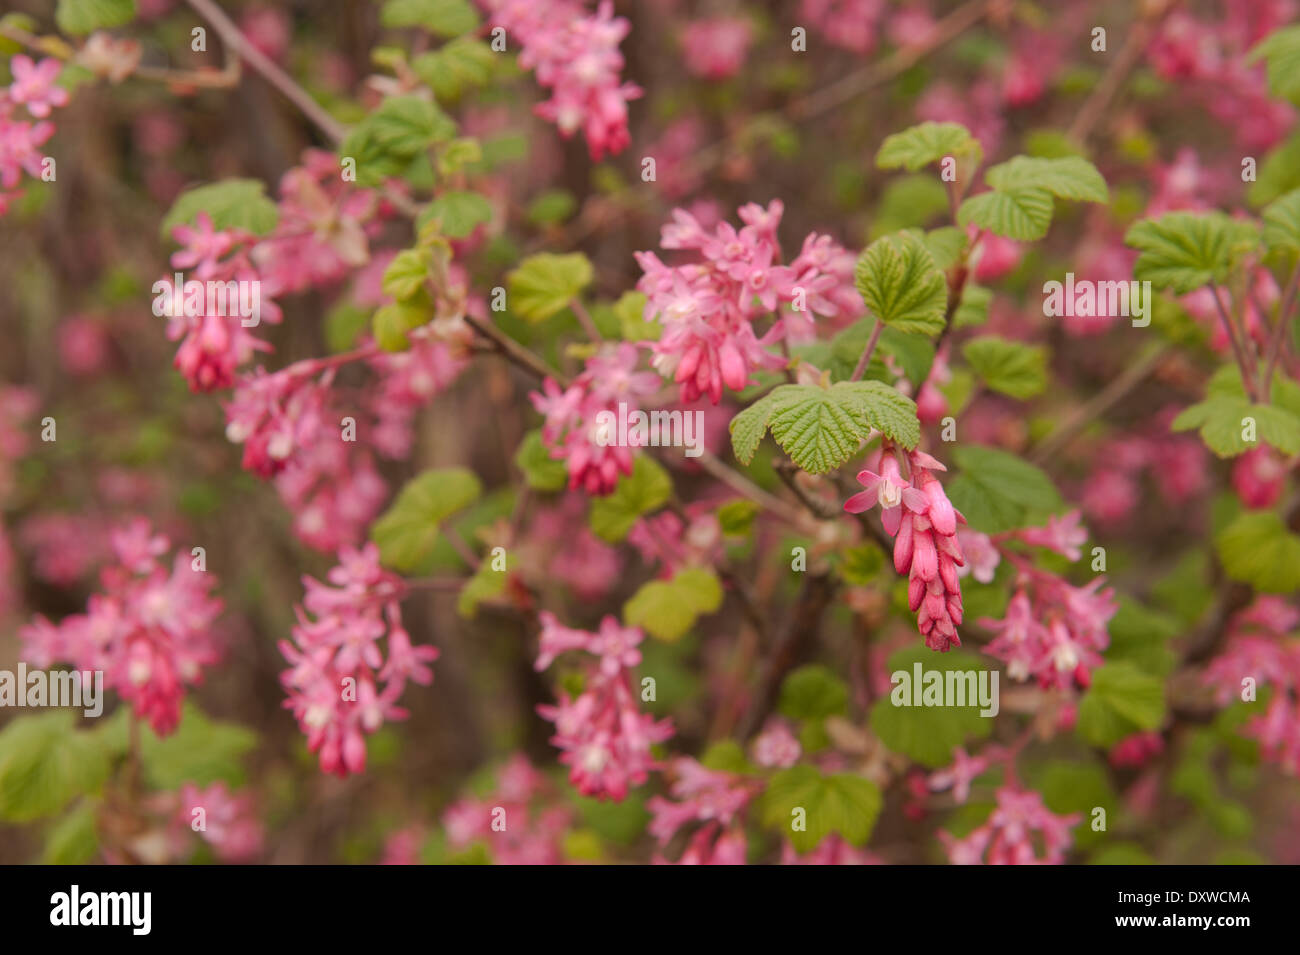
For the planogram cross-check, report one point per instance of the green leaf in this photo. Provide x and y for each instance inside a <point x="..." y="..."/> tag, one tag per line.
<point x="441" y="17"/>
<point x="544" y="284"/>
<point x="998" y="491"/>
<point x="1282" y="224"/>
<point x="462" y="64"/>
<point x="736" y="517"/>
<point x="231" y="204"/>
<point x="1070" y="787"/>
<point x="406" y="274"/>
<point x="1221" y="420"/>
<point x="541" y="471"/>
<point x="630" y="310"/>
<point x="1068" y="177"/>
<point x="821" y="428"/>
<point x="646" y="489"/>
<point x="1012" y="368"/>
<point x="45" y="763"/>
<point x="726" y="756"/>
<point x="1182" y="251"/>
<point x="391" y="323"/>
<point x="1141" y="636"/>
<point x="1281" y="50"/>
<point x="813" y="692"/>
<point x="897" y="278"/>
<point x="484" y="585"/>
<point x="74" y="840"/>
<point x="1258" y="549"/>
<point x="919" y="146"/>
<point x="408" y="530"/>
<point x="552" y="207"/>
<point x="946" y="244"/>
<point x="974" y="307"/>
<point x="928" y="734"/>
<point x="667" y="609"/>
<point x="1121" y="701"/>
<point x="394" y="139"/>
<point x="459" y="213"/>
<point x="1024" y="214"/>
<point x="80" y="17"/>
<point x="843" y="803"/>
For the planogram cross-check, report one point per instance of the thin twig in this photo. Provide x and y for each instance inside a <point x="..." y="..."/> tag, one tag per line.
<point x="865" y="360"/>
<point x="515" y="352"/>
<point x="1275" y="344"/>
<point x="234" y="39"/>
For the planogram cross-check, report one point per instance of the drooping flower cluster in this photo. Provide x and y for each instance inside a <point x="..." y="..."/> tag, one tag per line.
<point x="35" y="90"/>
<point x="575" y="55"/>
<point x="604" y="736"/>
<point x="1262" y="649"/>
<point x="520" y="822"/>
<point x="708" y="307"/>
<point x="590" y="448"/>
<point x="149" y="631"/>
<point x="710" y="797"/>
<point x="340" y="684"/>
<point x="215" y="341"/>
<point x="923" y="523"/>
<point x="1052" y="631"/>
<point x="1017" y="831"/>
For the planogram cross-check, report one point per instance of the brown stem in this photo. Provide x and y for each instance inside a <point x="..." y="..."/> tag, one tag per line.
<point x="1275" y="344"/>
<point x="865" y="360"/>
<point x="512" y="350"/>
<point x="1238" y="348"/>
<point x="234" y="39"/>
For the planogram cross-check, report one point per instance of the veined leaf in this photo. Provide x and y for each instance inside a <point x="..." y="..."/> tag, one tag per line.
<point x="1016" y="213"/>
<point x="1067" y="177"/>
<point x="927" y="143"/>
<point x="1012" y="368"/>
<point x="901" y="285"/>
<point x="1182" y="251"/>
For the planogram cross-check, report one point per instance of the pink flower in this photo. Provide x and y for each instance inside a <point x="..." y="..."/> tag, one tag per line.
<point x="923" y="523"/>
<point x="1258" y="477"/>
<point x="959" y="776"/>
<point x="604" y="737"/>
<point x="574" y="55"/>
<point x="1017" y="831"/>
<point x="776" y="747"/>
<point x="150" y="631"/>
<point x="227" y="821"/>
<point x="1065" y="535"/>
<point x="714" y="798"/>
<point x="715" y="49"/>
<point x="519" y="823"/>
<point x="849" y="24"/>
<point x="1136" y="750"/>
<point x="339" y="684"/>
<point x="34" y="85"/>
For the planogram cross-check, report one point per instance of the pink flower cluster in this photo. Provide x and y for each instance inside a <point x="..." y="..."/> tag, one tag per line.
<point x="323" y="228"/>
<point x="571" y="431"/>
<point x="716" y="800"/>
<point x="707" y="308"/>
<point x="575" y="55"/>
<point x="604" y="737"/>
<point x="212" y="346"/>
<point x="149" y="631"/>
<point x="715" y="49"/>
<point x="1052" y="631"/>
<point x="520" y="822"/>
<point x="1208" y="60"/>
<point x="1177" y="465"/>
<point x="229" y="821"/>
<point x="35" y="89"/>
<point x="923" y="523"/>
<point x="852" y="25"/>
<point x="1019" y="828"/>
<point x="1261" y="647"/>
<point x="339" y="683"/>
